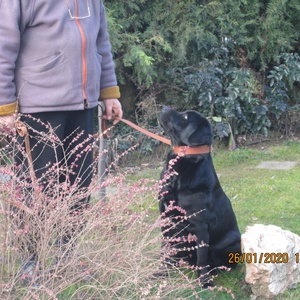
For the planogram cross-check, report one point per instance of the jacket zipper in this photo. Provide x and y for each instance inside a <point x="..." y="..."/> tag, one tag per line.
<point x="83" y="54"/>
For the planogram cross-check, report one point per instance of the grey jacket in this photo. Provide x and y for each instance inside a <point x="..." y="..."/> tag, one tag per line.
<point x="50" y="60"/>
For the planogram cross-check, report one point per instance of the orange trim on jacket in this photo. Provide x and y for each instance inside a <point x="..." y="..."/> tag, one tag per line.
<point x="83" y="49"/>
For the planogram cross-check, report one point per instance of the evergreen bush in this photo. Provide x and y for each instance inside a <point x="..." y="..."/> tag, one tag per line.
<point x="232" y="59"/>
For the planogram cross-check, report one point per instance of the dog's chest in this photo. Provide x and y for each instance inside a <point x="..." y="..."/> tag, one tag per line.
<point x="191" y="186"/>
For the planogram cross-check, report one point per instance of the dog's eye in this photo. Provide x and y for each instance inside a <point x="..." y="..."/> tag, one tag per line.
<point x="185" y="116"/>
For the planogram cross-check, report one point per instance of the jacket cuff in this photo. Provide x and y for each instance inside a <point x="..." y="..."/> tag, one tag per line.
<point x="110" y="93"/>
<point x="8" y="109"/>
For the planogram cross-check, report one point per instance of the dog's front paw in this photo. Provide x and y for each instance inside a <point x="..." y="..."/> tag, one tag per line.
<point x="160" y="273"/>
<point x="163" y="269"/>
<point x="209" y="284"/>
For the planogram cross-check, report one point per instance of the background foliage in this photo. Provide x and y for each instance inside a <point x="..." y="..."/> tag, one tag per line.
<point x="231" y="59"/>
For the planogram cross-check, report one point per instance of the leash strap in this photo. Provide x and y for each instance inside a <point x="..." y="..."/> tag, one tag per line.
<point x="150" y="134"/>
<point x="21" y="129"/>
<point x="177" y="149"/>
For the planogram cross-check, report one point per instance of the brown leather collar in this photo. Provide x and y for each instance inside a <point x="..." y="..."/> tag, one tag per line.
<point x="192" y="150"/>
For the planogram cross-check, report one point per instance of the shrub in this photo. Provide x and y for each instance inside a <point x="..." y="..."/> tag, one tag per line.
<point x="281" y="94"/>
<point x="218" y="54"/>
<point x="114" y="247"/>
<point x="236" y="96"/>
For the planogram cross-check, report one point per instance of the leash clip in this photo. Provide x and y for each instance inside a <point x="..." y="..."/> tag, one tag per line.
<point x="21" y="129"/>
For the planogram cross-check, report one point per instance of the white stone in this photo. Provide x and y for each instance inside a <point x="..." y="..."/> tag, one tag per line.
<point x="272" y="266"/>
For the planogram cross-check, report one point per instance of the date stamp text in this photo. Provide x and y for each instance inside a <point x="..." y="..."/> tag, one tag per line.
<point x="266" y="258"/>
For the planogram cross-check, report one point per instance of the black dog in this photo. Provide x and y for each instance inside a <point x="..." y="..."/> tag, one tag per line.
<point x="199" y="222"/>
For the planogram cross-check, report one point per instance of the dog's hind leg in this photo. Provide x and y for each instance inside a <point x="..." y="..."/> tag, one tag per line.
<point x="219" y="254"/>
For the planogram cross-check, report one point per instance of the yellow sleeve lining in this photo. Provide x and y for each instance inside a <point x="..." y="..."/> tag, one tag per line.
<point x="8" y="109"/>
<point x="110" y="93"/>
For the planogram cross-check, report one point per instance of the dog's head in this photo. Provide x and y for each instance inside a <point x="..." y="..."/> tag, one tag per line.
<point x="189" y="128"/>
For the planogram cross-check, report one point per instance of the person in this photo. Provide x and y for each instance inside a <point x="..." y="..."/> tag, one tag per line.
<point x="56" y="64"/>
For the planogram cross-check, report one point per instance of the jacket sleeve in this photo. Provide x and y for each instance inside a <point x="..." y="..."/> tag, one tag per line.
<point x="13" y="15"/>
<point x="109" y="87"/>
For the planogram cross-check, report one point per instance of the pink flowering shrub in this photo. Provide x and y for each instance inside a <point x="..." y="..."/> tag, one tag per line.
<point x="115" y="247"/>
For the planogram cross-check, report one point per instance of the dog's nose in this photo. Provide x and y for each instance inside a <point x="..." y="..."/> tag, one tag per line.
<point x="164" y="108"/>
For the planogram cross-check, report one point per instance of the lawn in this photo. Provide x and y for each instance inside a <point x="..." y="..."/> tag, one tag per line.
<point x="120" y="246"/>
<point x="259" y="196"/>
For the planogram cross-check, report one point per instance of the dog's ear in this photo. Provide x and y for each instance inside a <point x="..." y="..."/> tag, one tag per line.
<point x="202" y="135"/>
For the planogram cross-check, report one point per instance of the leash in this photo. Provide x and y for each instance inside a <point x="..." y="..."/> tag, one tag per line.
<point x="146" y="132"/>
<point x="22" y="131"/>
<point x="177" y="149"/>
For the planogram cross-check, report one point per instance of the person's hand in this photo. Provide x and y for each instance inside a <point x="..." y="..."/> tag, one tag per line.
<point x="7" y="124"/>
<point x="113" y="108"/>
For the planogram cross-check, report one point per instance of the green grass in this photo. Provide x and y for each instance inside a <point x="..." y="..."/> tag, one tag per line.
<point x="258" y="196"/>
<point x="261" y="195"/>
